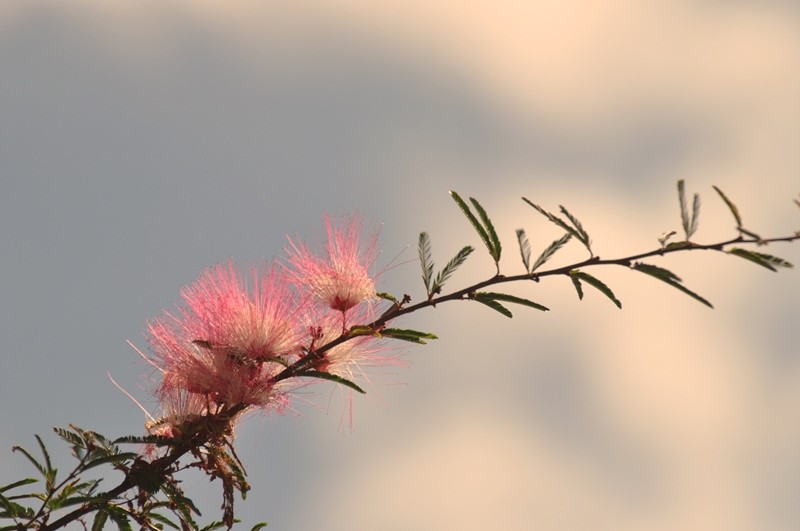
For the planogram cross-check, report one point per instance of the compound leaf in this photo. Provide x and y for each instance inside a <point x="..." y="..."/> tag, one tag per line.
<point x="734" y="210"/>
<point x="670" y="278"/>
<point x="524" y="249"/>
<point x="595" y="283"/>
<point x="764" y="260"/>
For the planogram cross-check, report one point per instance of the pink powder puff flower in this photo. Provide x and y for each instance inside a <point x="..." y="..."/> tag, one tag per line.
<point x="224" y="341"/>
<point x="340" y="278"/>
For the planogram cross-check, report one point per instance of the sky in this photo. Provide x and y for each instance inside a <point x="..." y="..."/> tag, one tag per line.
<point x="144" y="141"/>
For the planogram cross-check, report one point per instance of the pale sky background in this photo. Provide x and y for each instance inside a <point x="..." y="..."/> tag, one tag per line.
<point x="142" y="141"/>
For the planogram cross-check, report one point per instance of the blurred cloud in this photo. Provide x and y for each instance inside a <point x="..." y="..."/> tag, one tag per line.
<point x="144" y="140"/>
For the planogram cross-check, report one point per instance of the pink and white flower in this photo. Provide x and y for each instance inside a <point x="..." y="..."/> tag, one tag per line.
<point x="226" y="339"/>
<point x="340" y="276"/>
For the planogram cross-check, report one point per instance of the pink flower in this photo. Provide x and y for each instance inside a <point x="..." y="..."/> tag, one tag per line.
<point x="340" y="277"/>
<point x="226" y="341"/>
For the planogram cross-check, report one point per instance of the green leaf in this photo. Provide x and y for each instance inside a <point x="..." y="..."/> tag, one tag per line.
<point x="731" y="207"/>
<point x="114" y="458"/>
<point x="494" y="305"/>
<point x="524" y="249"/>
<point x="449" y="269"/>
<point x="583" y="236"/>
<point x="685" y="221"/>
<point x="414" y="336"/>
<point x="764" y="260"/>
<point x="670" y="278"/>
<point x="595" y="283"/>
<point x="361" y="330"/>
<point x="496" y="248"/>
<point x="677" y="245"/>
<point x="688" y="221"/>
<point x="695" y="213"/>
<point x="26" y="481"/>
<point x="475" y="223"/>
<point x="120" y="518"/>
<point x="99" y="520"/>
<point x="331" y="377"/>
<point x="751" y="234"/>
<point x="181" y="505"/>
<point x="42" y="470"/>
<point x="510" y="298"/>
<point x="577" y="283"/>
<point x="553" y="218"/>
<point x="550" y="251"/>
<point x="258" y="526"/>
<point x="387" y="296"/>
<point x="163" y="519"/>
<point x="158" y="440"/>
<point x="72" y="438"/>
<point x="14" y="510"/>
<point x="425" y="260"/>
<point x="51" y="472"/>
<point x="666" y="236"/>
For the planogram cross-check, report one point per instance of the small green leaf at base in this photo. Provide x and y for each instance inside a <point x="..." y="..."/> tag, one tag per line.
<point x="387" y="296"/>
<point x="578" y="275"/>
<point x="764" y="260"/>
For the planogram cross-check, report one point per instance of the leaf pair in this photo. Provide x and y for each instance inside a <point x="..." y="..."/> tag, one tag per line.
<point x="577" y="276"/>
<point x="484" y="227"/>
<point x="525" y="250"/>
<point x="574" y="227"/>
<point x="433" y="286"/>
<point x="689" y="221"/>
<point x="491" y="299"/>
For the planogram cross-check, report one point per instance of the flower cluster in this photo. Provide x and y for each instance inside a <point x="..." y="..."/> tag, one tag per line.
<point x="244" y="340"/>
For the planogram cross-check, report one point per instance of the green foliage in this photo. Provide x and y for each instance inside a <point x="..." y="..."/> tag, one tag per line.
<point x="577" y="276"/>
<point x="689" y="221"/>
<point x="158" y="501"/>
<point x="550" y="251"/>
<point x="524" y="249"/>
<point x="425" y="260"/>
<point x="412" y="336"/>
<point x="387" y="296"/>
<point x="764" y="260"/>
<point x="734" y="210"/>
<point x="486" y="230"/>
<point x="669" y="278"/>
<point x="575" y="229"/>
<point x="434" y="286"/>
<point x="449" y="269"/>
<point x="491" y="299"/>
<point x="331" y="377"/>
